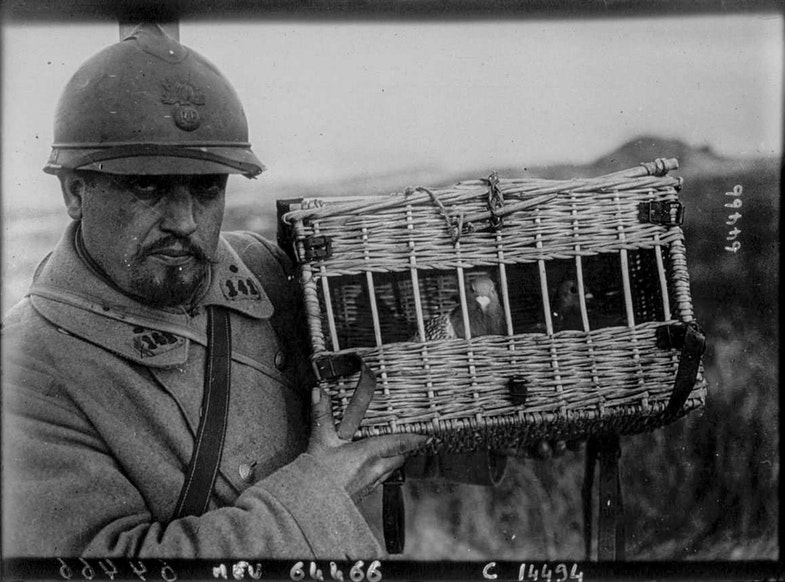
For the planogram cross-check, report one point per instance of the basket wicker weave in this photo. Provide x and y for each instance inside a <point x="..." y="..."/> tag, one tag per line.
<point x="375" y="270"/>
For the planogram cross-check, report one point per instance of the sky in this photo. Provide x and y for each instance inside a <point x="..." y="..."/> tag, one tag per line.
<point x="328" y="100"/>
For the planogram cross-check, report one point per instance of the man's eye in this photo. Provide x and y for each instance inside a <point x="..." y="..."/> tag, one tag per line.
<point x="208" y="191"/>
<point x="207" y="188"/>
<point x="146" y="188"/>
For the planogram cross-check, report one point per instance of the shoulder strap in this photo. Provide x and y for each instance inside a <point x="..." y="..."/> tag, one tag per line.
<point x="211" y="433"/>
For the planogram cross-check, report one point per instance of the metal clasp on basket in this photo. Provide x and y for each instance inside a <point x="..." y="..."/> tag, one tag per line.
<point x="316" y="247"/>
<point x="676" y="336"/>
<point x="330" y="367"/>
<point x="518" y="388"/>
<point x="664" y="212"/>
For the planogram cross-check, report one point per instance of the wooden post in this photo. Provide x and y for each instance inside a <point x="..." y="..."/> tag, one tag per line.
<point x="171" y="28"/>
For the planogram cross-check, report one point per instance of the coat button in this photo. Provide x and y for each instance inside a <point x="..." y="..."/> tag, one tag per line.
<point x="246" y="471"/>
<point x="280" y="361"/>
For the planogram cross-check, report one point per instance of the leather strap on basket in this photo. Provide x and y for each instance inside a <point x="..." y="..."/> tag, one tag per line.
<point x="358" y="405"/>
<point x="211" y="433"/>
<point x="334" y="366"/>
<point x="693" y="345"/>
<point x="610" y="528"/>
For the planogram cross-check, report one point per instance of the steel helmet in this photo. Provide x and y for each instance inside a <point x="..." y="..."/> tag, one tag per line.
<point x="149" y="105"/>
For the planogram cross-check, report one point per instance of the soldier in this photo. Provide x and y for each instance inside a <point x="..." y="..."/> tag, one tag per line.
<point x="139" y="322"/>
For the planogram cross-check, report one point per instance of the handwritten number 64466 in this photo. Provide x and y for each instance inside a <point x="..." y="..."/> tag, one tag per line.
<point x="734" y="204"/>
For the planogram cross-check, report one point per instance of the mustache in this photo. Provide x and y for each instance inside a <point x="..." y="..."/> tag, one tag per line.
<point x="179" y="243"/>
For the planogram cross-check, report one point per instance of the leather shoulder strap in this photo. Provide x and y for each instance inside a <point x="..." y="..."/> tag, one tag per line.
<point x="210" y="436"/>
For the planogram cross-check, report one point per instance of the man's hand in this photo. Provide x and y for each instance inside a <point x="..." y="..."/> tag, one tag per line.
<point x="358" y="466"/>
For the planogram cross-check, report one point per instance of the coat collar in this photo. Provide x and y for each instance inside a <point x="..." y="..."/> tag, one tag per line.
<point x="75" y="299"/>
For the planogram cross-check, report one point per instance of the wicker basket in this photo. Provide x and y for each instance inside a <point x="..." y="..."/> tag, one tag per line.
<point x="375" y="270"/>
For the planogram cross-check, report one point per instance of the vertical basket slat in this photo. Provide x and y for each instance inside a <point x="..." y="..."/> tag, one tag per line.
<point x="328" y="304"/>
<point x="504" y="285"/>
<point x="377" y="328"/>
<point x="467" y="334"/>
<point x="662" y="278"/>
<point x="546" y="302"/>
<point x="415" y="278"/>
<point x="579" y="265"/>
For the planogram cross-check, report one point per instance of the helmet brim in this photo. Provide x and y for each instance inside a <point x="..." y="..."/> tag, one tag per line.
<point x="156" y="162"/>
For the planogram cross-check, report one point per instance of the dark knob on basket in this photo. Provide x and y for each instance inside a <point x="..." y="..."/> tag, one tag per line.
<point x="517" y="385"/>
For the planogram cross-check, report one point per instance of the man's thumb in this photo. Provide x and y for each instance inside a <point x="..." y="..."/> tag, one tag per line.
<point x="321" y="413"/>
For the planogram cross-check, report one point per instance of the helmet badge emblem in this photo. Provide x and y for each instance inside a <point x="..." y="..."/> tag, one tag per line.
<point x="185" y="97"/>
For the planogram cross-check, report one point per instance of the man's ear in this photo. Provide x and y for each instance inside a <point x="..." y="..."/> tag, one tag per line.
<point x="73" y="187"/>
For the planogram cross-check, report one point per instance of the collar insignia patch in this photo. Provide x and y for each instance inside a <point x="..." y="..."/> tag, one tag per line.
<point x="240" y="288"/>
<point x="150" y="342"/>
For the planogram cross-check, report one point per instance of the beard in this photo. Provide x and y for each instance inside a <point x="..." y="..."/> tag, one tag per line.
<point x="169" y="286"/>
<point x="161" y="285"/>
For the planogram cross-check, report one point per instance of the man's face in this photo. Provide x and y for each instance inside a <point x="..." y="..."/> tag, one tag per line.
<point x="154" y="236"/>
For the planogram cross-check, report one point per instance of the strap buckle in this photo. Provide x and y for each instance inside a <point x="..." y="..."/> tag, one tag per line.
<point x="333" y="366"/>
<point x="663" y="212"/>
<point x="316" y="248"/>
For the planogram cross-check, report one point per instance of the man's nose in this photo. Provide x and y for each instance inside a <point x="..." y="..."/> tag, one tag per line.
<point x="178" y="211"/>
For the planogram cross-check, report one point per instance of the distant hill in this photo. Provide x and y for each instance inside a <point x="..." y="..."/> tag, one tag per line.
<point x="694" y="161"/>
<point x="649" y="147"/>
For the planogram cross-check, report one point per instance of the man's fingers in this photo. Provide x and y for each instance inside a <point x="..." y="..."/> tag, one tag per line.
<point x="395" y="444"/>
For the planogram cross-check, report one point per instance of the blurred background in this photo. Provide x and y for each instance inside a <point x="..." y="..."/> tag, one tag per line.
<point x="356" y="105"/>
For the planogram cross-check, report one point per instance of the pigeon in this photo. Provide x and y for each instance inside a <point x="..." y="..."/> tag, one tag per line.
<point x="486" y="316"/>
<point x="566" y="306"/>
